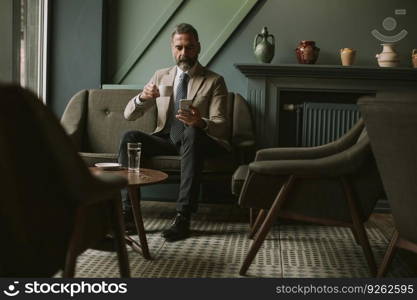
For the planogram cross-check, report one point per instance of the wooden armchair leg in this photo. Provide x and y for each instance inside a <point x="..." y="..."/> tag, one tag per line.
<point x="358" y="227"/>
<point x="364" y="242"/>
<point x="266" y="225"/>
<point x="252" y="214"/>
<point x="389" y="255"/>
<point x="119" y="238"/>
<point x="258" y="222"/>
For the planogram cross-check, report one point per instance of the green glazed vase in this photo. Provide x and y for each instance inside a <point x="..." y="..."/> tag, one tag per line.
<point x="263" y="49"/>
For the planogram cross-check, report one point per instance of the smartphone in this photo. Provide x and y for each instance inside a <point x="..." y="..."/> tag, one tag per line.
<point x="185" y="104"/>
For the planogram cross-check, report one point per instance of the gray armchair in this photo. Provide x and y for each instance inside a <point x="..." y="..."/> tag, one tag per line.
<point x="334" y="184"/>
<point x="51" y="207"/>
<point x="391" y="119"/>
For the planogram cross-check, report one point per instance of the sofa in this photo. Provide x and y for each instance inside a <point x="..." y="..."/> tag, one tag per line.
<point x="94" y="121"/>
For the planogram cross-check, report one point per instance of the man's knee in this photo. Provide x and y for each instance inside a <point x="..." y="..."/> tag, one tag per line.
<point x="192" y="135"/>
<point x="132" y="136"/>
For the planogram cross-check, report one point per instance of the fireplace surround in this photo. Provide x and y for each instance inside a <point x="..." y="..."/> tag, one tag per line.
<point x="274" y="89"/>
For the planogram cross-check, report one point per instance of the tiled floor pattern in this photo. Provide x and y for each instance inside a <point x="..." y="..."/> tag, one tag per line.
<point x="219" y="244"/>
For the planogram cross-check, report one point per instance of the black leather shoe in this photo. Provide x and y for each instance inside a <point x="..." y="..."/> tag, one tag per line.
<point x="179" y="230"/>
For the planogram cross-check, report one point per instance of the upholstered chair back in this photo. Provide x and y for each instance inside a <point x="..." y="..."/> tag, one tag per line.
<point x="391" y="120"/>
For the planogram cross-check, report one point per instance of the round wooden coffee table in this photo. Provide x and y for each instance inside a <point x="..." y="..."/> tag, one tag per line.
<point x="135" y="181"/>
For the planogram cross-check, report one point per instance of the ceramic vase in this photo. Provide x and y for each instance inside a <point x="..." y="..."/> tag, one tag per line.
<point x="388" y="57"/>
<point x="307" y="52"/>
<point x="263" y="49"/>
<point x="414" y="58"/>
<point x="347" y="56"/>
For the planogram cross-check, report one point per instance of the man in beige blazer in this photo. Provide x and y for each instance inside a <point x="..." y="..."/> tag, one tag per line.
<point x="195" y="134"/>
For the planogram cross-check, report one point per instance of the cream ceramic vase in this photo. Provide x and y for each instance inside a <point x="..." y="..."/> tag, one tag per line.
<point x="347" y="55"/>
<point x="414" y="58"/>
<point x="388" y="57"/>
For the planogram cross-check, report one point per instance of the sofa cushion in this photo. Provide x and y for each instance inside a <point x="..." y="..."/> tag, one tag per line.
<point x="169" y="163"/>
<point x="221" y="164"/>
<point x="105" y="122"/>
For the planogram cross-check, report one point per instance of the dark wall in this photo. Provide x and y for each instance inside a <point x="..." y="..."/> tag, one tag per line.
<point x="75" y="49"/>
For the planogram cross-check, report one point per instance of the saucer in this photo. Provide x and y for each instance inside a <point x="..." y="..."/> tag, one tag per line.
<point x="108" y="166"/>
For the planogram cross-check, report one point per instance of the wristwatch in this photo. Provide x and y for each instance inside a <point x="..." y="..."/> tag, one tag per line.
<point x="137" y="100"/>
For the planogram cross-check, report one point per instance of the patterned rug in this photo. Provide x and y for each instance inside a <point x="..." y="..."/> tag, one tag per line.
<point x="219" y="244"/>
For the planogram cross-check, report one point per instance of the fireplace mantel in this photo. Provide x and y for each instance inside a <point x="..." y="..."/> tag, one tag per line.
<point x="329" y="71"/>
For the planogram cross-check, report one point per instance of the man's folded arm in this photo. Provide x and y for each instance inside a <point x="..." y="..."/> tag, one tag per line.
<point x="136" y="107"/>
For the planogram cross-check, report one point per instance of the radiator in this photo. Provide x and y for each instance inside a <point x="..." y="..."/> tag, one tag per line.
<point x="326" y="122"/>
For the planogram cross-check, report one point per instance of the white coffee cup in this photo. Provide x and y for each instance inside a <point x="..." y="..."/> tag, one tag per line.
<point x="165" y="90"/>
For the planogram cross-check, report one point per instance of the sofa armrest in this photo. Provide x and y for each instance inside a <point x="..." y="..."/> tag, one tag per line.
<point x="74" y="118"/>
<point x="244" y="150"/>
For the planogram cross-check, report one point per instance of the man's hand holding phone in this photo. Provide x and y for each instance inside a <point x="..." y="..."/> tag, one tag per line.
<point x="190" y="115"/>
<point x="185" y="106"/>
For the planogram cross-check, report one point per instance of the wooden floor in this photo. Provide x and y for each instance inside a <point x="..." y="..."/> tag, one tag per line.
<point x="386" y="224"/>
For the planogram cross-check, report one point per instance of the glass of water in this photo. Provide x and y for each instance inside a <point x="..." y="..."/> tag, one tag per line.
<point x="133" y="154"/>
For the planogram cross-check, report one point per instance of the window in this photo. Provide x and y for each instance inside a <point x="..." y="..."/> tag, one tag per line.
<point x="32" y="38"/>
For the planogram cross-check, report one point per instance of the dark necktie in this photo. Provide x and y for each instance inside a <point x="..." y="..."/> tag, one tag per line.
<point x="177" y="127"/>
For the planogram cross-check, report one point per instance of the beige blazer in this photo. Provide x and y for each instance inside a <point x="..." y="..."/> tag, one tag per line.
<point x="208" y="92"/>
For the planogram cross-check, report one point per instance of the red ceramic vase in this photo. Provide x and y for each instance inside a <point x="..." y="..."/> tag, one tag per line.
<point x="307" y="52"/>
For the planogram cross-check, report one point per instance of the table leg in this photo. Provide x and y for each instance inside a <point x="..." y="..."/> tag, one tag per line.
<point x="134" y="195"/>
<point x="118" y="231"/>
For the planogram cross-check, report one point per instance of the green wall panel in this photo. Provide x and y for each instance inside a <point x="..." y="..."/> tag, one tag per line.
<point x="136" y="24"/>
<point x="134" y="54"/>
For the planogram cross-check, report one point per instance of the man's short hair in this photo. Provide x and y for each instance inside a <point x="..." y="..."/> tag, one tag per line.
<point x="185" y="28"/>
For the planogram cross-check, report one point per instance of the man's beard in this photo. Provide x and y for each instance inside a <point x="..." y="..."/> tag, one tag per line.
<point x="186" y="63"/>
